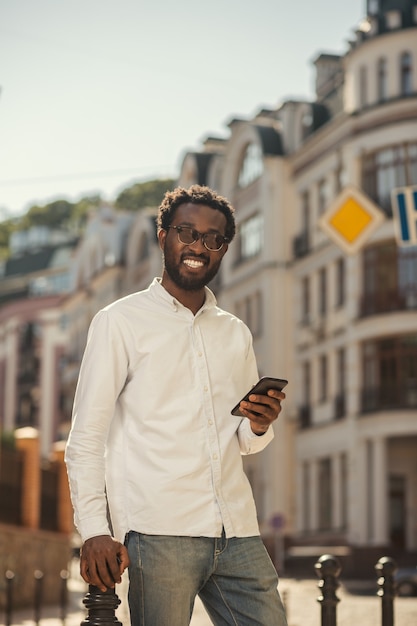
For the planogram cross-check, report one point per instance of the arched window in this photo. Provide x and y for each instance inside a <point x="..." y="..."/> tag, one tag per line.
<point x="252" y="165"/>
<point x="406" y="74"/>
<point x="382" y="80"/>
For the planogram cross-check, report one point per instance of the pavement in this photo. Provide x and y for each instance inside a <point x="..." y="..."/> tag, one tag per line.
<point x="358" y="605"/>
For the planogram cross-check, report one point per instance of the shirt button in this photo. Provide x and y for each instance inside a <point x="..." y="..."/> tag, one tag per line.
<point x="205" y="388"/>
<point x="210" y="422"/>
<point x="215" y="457"/>
<point x="200" y="354"/>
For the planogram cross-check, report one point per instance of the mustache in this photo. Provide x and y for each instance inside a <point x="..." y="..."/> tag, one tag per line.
<point x="202" y="257"/>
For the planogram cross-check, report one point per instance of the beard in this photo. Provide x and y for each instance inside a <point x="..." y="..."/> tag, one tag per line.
<point x="189" y="283"/>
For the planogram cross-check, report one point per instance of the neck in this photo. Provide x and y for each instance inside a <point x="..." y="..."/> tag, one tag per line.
<point x="192" y="300"/>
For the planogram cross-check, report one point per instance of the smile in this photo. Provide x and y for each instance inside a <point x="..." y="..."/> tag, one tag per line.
<point x="193" y="263"/>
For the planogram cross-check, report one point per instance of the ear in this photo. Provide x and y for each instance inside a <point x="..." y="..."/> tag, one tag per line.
<point x="162" y="235"/>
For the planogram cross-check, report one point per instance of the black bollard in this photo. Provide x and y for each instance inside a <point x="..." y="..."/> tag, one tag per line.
<point x="9" y="575"/>
<point x="101" y="607"/>
<point x="385" y="569"/>
<point x="38" y="596"/>
<point x="64" y="574"/>
<point x="328" y="569"/>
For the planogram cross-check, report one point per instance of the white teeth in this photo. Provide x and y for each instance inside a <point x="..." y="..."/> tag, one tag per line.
<point x="193" y="263"/>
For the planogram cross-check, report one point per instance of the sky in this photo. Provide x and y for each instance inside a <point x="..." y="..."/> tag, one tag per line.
<point x="99" y="94"/>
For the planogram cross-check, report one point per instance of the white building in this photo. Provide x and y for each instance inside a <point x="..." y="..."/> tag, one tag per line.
<point x="342" y="327"/>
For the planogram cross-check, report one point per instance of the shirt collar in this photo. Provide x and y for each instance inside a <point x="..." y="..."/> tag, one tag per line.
<point x="162" y="294"/>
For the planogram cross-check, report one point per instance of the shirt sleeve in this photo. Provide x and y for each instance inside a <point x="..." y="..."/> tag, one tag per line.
<point x="249" y="442"/>
<point x="103" y="374"/>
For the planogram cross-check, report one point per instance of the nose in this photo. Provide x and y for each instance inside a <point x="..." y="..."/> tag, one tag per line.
<point x="198" y="244"/>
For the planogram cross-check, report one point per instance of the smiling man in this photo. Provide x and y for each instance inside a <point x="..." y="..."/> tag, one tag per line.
<point x="154" y="454"/>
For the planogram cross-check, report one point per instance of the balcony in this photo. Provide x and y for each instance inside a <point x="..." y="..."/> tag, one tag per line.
<point x="387" y="302"/>
<point x="304" y="416"/>
<point x="340" y="406"/>
<point x="389" y="397"/>
<point x="301" y="245"/>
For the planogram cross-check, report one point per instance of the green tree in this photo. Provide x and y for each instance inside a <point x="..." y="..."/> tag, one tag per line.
<point x="55" y="215"/>
<point x="6" y="229"/>
<point x="142" y="195"/>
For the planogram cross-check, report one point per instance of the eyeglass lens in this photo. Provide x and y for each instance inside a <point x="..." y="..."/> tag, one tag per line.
<point x="187" y="235"/>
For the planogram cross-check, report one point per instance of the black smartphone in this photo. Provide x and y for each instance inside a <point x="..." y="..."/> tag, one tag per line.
<point x="261" y="388"/>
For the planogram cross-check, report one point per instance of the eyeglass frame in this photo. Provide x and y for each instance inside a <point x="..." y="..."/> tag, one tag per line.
<point x="201" y="236"/>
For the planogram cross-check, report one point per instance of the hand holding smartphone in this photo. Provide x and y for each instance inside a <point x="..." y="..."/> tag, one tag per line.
<point x="262" y="386"/>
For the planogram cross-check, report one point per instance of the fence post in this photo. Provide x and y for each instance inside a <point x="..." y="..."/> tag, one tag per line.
<point x="101" y="607"/>
<point x="328" y="569"/>
<point x="9" y="575"/>
<point x="63" y="596"/>
<point x="38" y="575"/>
<point x="385" y="569"/>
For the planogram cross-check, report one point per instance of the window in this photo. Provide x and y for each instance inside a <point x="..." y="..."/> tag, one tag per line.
<point x="382" y="80"/>
<point x="389" y="279"/>
<point x="390" y="373"/>
<point x="305" y="212"/>
<point x="340" y="282"/>
<point x="363" y="86"/>
<point x="323" y="291"/>
<point x="249" y="310"/>
<point x="305" y="409"/>
<point x="382" y="171"/>
<point x="305" y="299"/>
<point x="251" y="237"/>
<point x="340" y="408"/>
<point x="344" y="491"/>
<point x="252" y="165"/>
<point x="393" y="19"/>
<point x="323" y="378"/>
<point x="406" y="74"/>
<point x="323" y="196"/>
<point x="341" y="370"/>
<point x="306" y="491"/>
<point x="325" y="494"/>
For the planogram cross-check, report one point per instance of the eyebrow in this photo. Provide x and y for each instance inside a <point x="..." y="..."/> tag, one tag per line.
<point x="212" y="231"/>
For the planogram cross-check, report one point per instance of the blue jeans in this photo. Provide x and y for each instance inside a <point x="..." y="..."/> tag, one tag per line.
<point x="234" y="578"/>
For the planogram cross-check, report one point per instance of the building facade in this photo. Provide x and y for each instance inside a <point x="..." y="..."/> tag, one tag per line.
<point x="342" y="327"/>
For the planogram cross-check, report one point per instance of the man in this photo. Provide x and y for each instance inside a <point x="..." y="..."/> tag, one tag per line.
<point x="154" y="447"/>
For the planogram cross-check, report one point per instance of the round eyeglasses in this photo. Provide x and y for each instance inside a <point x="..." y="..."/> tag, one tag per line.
<point x="211" y="241"/>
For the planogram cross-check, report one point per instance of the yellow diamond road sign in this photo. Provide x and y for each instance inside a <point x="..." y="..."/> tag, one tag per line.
<point x="351" y="219"/>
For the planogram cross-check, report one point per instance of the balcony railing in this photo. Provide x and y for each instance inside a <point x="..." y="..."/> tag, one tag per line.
<point x="304" y="416"/>
<point x="301" y="245"/>
<point x="389" y="397"/>
<point x="340" y="406"/>
<point x="388" y="301"/>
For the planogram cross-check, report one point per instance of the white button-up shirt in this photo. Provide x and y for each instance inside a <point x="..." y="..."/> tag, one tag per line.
<point x="152" y="434"/>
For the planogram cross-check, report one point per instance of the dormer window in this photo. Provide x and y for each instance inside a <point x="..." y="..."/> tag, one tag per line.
<point x="252" y="165"/>
<point x="393" y="19"/>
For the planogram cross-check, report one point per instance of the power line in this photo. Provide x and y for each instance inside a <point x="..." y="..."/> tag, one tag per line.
<point x="83" y="175"/>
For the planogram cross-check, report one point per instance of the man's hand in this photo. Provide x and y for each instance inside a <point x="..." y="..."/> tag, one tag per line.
<point x="262" y="410"/>
<point x="103" y="561"/>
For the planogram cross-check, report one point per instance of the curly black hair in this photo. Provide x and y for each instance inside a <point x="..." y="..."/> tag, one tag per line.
<point x="196" y="194"/>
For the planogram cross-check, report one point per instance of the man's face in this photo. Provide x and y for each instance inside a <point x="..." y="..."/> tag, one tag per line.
<point x="191" y="266"/>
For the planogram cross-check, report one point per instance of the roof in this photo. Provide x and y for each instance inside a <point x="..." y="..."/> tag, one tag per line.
<point x="34" y="261"/>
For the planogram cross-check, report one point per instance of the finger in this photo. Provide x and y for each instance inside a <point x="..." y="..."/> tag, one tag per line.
<point x="123" y="557"/>
<point x="84" y="571"/>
